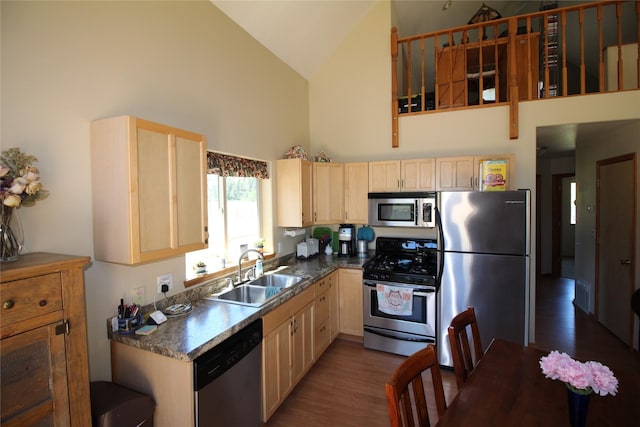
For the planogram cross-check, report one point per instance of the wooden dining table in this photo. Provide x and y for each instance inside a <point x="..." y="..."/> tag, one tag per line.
<point x="507" y="388"/>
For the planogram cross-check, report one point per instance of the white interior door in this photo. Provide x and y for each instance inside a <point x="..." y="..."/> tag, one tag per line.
<point x="615" y="225"/>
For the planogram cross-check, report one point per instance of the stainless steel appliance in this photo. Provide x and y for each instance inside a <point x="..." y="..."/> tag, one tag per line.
<point x="401" y="264"/>
<point x="484" y="247"/>
<point x="402" y="209"/>
<point x="346" y="240"/>
<point x="227" y="380"/>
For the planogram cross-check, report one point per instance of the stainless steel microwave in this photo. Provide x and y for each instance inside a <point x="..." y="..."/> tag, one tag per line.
<point x="402" y="209"/>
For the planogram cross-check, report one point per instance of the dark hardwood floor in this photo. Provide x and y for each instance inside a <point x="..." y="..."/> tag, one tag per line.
<point x="345" y="387"/>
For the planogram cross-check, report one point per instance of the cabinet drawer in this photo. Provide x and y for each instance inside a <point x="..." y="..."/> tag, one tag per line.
<point x="29" y="298"/>
<point x="322" y="285"/>
<point x="322" y="308"/>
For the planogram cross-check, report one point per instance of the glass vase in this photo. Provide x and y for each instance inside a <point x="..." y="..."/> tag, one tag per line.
<point x="11" y="236"/>
<point x="578" y="406"/>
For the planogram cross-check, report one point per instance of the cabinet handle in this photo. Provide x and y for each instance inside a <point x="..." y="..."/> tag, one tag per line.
<point x="8" y="304"/>
<point x="42" y="302"/>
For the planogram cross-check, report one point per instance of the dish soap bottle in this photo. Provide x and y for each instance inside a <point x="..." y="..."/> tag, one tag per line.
<point x="259" y="268"/>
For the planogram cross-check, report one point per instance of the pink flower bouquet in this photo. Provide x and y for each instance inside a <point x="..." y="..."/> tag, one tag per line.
<point x="583" y="378"/>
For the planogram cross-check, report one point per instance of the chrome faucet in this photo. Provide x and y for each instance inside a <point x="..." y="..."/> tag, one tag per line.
<point x="240" y="262"/>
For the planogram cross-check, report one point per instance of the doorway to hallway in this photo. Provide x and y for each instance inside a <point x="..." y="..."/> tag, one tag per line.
<point x="563" y="224"/>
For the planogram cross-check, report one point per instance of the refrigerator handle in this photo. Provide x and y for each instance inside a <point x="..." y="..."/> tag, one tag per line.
<point x="440" y="247"/>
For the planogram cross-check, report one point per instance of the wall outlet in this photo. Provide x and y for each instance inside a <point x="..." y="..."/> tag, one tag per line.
<point x="165" y="279"/>
<point x="137" y="295"/>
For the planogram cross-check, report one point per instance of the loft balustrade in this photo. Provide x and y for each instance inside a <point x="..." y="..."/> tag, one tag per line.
<point x="577" y="50"/>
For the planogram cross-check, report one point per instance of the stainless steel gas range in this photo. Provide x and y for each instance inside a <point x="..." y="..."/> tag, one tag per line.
<point x="399" y="295"/>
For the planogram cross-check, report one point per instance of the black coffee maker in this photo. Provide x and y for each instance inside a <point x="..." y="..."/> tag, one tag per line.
<point x="346" y="240"/>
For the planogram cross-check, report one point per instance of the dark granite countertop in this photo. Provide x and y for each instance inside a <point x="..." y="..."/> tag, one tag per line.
<point x="211" y="322"/>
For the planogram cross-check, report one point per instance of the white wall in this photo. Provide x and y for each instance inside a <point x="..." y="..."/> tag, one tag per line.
<point x="180" y="63"/>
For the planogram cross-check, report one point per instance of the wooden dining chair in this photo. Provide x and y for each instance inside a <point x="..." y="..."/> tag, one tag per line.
<point x="408" y="406"/>
<point x="463" y="360"/>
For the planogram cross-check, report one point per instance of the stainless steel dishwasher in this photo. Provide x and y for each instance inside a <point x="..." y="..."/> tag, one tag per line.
<point x="227" y="381"/>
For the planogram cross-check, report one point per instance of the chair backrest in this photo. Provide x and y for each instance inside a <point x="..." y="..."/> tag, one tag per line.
<point x="463" y="360"/>
<point x="410" y="408"/>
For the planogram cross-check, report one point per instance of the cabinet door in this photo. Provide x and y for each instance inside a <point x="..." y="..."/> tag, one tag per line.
<point x="171" y="191"/>
<point x="294" y="186"/>
<point x="418" y="175"/>
<point x="321" y="323"/>
<point x="306" y="173"/>
<point x="276" y="373"/>
<point x="334" y="305"/>
<point x="34" y="378"/>
<point x="356" y="189"/>
<point x="302" y="345"/>
<point x="384" y="176"/>
<point x="328" y="187"/>
<point x="350" y="295"/>
<point x="455" y="173"/>
<point x="451" y="77"/>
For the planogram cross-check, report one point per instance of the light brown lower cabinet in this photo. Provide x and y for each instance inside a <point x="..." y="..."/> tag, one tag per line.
<point x="43" y="353"/>
<point x="287" y="349"/>
<point x="350" y="295"/>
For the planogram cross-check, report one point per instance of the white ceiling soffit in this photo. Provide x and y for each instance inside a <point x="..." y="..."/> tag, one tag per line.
<point x="302" y="33"/>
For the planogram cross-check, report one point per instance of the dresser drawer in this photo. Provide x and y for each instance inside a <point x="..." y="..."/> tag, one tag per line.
<point x="29" y="298"/>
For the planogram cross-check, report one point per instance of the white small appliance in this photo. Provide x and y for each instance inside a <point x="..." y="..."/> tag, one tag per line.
<point x="308" y="248"/>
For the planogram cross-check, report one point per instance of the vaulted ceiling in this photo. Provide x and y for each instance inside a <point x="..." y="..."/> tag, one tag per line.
<point x="305" y="33"/>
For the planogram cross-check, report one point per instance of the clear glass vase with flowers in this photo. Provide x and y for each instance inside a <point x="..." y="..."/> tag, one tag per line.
<point x="20" y="185"/>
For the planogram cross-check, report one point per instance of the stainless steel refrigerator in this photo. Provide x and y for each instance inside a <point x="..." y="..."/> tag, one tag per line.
<point x="484" y="241"/>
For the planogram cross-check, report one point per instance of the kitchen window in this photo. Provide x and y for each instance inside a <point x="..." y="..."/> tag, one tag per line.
<point x="234" y="210"/>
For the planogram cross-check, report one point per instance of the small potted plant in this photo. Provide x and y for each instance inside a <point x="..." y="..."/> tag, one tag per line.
<point x="200" y="267"/>
<point x="259" y="245"/>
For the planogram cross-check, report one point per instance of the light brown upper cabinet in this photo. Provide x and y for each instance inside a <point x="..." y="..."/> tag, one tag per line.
<point x="149" y="190"/>
<point x="463" y="173"/>
<point x="356" y="189"/>
<point x="294" y="186"/>
<point x="402" y="175"/>
<point x="418" y="175"/>
<point x="328" y="193"/>
<point x="384" y="176"/>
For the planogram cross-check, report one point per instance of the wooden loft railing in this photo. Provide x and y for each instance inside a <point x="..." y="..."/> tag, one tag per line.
<point x="576" y="50"/>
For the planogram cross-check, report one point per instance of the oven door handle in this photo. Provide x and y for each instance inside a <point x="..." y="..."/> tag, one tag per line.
<point x="382" y="334"/>
<point x="420" y="293"/>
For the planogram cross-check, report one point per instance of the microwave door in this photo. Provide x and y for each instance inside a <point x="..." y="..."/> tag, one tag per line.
<point x="427" y="216"/>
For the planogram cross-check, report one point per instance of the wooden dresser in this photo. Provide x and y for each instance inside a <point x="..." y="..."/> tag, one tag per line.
<point x="43" y="354"/>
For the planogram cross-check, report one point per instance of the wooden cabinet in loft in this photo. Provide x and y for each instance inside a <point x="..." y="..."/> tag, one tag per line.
<point x="470" y="71"/>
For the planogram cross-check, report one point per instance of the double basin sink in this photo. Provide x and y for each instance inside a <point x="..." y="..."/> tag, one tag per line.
<point x="260" y="291"/>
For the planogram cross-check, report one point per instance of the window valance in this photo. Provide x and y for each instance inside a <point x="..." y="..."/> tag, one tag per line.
<point x="226" y="165"/>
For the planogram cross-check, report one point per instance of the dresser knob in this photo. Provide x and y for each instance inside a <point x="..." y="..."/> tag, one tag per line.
<point x="8" y="304"/>
<point x="43" y="302"/>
